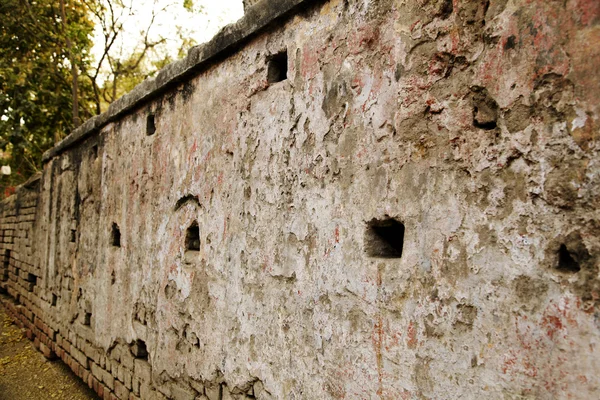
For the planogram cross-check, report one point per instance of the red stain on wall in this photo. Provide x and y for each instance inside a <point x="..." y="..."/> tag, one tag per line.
<point x="542" y="342"/>
<point x="412" y="335"/>
<point x="587" y="11"/>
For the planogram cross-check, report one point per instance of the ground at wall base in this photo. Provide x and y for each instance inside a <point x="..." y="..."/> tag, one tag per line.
<point x="38" y="378"/>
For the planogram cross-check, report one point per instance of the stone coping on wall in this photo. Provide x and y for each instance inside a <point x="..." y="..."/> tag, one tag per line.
<point x="224" y="43"/>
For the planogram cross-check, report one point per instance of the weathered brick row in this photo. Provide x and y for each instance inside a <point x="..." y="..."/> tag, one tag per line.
<point x="46" y="340"/>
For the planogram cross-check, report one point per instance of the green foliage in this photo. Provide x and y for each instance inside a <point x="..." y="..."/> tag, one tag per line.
<point x="36" y="81"/>
<point x="188" y="5"/>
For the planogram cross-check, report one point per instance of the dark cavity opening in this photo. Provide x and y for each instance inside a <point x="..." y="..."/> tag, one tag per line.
<point x="31" y="278"/>
<point x="384" y="238"/>
<point x="94" y="152"/>
<point x="188" y="198"/>
<point x="277" y="67"/>
<point x="566" y="262"/>
<point x="6" y="258"/>
<point x="139" y="350"/>
<point x="150" y="125"/>
<point x="446" y="9"/>
<point x="54" y="300"/>
<point x="116" y="235"/>
<point x="87" y="319"/>
<point x="73" y="235"/>
<point x="192" y="237"/>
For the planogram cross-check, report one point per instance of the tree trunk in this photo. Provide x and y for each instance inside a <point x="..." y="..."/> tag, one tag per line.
<point x="75" y="85"/>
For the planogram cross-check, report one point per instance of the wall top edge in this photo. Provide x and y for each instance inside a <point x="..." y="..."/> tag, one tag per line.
<point x="255" y="19"/>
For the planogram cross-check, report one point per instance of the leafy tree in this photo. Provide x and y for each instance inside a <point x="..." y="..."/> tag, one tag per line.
<point x="49" y="80"/>
<point x="38" y="48"/>
<point x="119" y="68"/>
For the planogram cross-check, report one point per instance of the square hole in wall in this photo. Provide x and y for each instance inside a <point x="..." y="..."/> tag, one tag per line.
<point x="73" y="235"/>
<point x="150" y="125"/>
<point x="384" y="238"/>
<point x="115" y="235"/>
<point x="277" y="67"/>
<point x="87" y="319"/>
<point x="54" y="300"/>
<point x="31" y="278"/>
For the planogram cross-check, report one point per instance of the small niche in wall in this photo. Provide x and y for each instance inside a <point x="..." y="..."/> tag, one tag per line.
<point x="192" y="242"/>
<point x="31" y="278"/>
<point x="277" y="67"/>
<point x="115" y="236"/>
<point x="192" y="237"/>
<point x="150" y="125"/>
<point x="73" y="235"/>
<point x="54" y="300"/>
<point x="566" y="261"/>
<point x="94" y="152"/>
<point x="87" y="319"/>
<point x="384" y="238"/>
<point x="139" y="350"/>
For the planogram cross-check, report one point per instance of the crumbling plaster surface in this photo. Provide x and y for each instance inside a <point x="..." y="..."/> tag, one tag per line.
<point x="474" y="123"/>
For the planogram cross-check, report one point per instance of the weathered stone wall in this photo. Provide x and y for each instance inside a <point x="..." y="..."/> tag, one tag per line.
<point x="336" y="199"/>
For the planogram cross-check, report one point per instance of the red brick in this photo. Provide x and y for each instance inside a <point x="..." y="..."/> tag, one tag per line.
<point x="100" y="390"/>
<point x="49" y="354"/>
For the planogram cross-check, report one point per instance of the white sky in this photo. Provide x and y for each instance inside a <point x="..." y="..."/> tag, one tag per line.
<point x="201" y="26"/>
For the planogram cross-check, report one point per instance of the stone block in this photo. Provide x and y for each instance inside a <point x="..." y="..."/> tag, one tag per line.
<point x="80" y="357"/>
<point x="127" y="360"/>
<point x="135" y="385"/>
<point x="47" y="352"/>
<point x="108" y="379"/>
<point x="142" y="371"/>
<point x="145" y="390"/>
<point x="197" y="386"/>
<point x="179" y="392"/>
<point x="121" y="391"/>
<point x="213" y="392"/>
<point x="127" y="377"/>
<point x="96" y="371"/>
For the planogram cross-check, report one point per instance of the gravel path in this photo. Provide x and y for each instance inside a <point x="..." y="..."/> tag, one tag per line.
<point x="26" y="375"/>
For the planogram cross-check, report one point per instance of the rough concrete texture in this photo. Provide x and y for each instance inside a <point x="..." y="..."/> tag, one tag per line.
<point x="235" y="228"/>
<point x="249" y="3"/>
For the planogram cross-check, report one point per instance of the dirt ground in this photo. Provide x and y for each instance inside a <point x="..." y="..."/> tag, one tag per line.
<point x="26" y="375"/>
